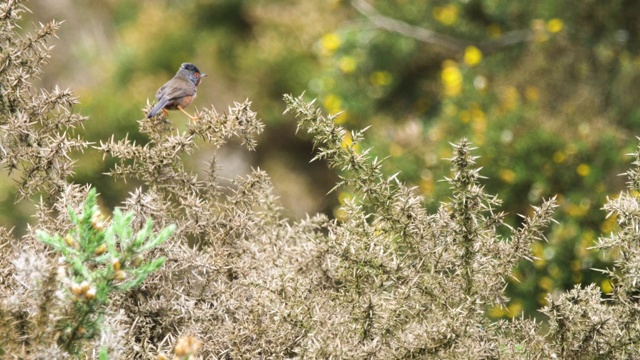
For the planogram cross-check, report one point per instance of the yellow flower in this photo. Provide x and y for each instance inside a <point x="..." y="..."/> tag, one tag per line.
<point x="576" y="211"/>
<point x="497" y="312"/>
<point x="447" y="15"/>
<point x="381" y="78"/>
<point x="347" y="142"/>
<point x="583" y="170"/>
<point x="427" y="186"/>
<point x="332" y="103"/>
<point x="344" y="196"/>
<point x="330" y="42"/>
<point x="542" y="299"/>
<point x="559" y="157"/>
<point x="606" y="286"/>
<point x="472" y="55"/>
<point x="347" y="64"/>
<point x="339" y="213"/>
<point x="587" y="238"/>
<point x="545" y="283"/>
<point x="537" y="249"/>
<point x="508" y="176"/>
<point x="515" y="308"/>
<point x="609" y="224"/>
<point x="555" y="25"/>
<point x="451" y="78"/>
<point x="510" y="98"/>
<point x="540" y="263"/>
<point x="516" y="277"/>
<point x="342" y="118"/>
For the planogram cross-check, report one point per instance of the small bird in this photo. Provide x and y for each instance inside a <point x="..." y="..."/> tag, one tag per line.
<point x="178" y="92"/>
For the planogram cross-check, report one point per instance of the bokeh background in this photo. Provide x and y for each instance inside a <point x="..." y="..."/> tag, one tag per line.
<point x="547" y="90"/>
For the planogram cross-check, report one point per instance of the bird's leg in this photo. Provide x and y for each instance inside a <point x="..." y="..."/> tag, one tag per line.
<point x="165" y="112"/>
<point x="193" y="118"/>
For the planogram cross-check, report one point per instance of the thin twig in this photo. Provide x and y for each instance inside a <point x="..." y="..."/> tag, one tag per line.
<point x="432" y="37"/>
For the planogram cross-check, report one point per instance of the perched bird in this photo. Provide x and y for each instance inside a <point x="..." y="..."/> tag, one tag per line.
<point x="178" y="92"/>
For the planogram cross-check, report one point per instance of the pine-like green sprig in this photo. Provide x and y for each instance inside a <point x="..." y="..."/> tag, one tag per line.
<point x="101" y="257"/>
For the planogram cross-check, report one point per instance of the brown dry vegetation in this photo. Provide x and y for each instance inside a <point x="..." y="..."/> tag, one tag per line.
<point x="240" y="280"/>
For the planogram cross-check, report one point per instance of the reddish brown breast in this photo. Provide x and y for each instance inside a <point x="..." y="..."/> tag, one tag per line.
<point x="183" y="102"/>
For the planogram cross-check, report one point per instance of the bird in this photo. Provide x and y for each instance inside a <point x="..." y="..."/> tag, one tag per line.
<point x="178" y="92"/>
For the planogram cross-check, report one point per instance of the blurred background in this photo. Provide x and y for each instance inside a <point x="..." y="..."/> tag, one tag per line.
<point x="545" y="90"/>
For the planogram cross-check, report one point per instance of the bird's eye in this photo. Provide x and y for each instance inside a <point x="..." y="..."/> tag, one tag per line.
<point x="197" y="74"/>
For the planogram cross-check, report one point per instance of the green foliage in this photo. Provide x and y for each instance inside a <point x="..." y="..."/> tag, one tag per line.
<point x="101" y="257"/>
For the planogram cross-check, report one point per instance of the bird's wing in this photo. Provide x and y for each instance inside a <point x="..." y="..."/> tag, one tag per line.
<point x="175" y="89"/>
<point x="161" y="90"/>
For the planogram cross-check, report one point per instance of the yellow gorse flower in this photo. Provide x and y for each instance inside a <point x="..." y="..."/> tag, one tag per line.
<point x="451" y="78"/>
<point x="347" y="64"/>
<point x="446" y="15"/>
<point x="472" y="56"/>
<point x="330" y="43"/>
<point x="583" y="170"/>
<point x="555" y="25"/>
<point x="380" y="78"/>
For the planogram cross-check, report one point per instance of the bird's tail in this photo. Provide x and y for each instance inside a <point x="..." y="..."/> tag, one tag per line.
<point x="156" y="109"/>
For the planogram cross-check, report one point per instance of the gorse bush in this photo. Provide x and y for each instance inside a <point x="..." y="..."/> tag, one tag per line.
<point x="237" y="279"/>
<point x="425" y="73"/>
<point x="98" y="259"/>
<point x="36" y="125"/>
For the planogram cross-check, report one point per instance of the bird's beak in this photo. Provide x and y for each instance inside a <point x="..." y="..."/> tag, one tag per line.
<point x="204" y="75"/>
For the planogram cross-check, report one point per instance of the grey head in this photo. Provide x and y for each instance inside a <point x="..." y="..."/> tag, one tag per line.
<point x="191" y="72"/>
